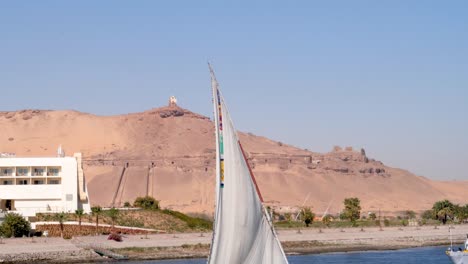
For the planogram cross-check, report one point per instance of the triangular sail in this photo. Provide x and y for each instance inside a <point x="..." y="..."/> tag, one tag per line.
<point x="243" y="232"/>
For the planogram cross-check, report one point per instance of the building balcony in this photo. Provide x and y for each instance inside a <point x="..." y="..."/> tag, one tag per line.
<point x="38" y="171"/>
<point x="6" y="171"/>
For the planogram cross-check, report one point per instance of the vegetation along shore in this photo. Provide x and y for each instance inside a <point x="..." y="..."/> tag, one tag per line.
<point x="146" y="231"/>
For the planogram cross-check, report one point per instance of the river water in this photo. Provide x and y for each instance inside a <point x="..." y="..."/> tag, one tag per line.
<point x="426" y="255"/>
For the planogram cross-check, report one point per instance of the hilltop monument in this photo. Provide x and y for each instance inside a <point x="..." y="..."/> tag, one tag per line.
<point x="172" y="101"/>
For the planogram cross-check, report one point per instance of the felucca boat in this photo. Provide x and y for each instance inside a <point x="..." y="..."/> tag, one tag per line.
<point x="243" y="232"/>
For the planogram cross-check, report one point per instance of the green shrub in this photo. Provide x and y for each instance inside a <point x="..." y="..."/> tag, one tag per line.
<point x="14" y="225"/>
<point x="409" y="214"/>
<point x="326" y="220"/>
<point x="428" y="215"/>
<point x="146" y="202"/>
<point x="386" y="222"/>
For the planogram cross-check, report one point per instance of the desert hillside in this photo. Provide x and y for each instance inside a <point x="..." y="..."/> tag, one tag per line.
<point x="169" y="153"/>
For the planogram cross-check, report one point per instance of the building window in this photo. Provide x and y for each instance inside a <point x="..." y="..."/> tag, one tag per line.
<point x="22" y="182"/>
<point x="7" y="182"/>
<point x="36" y="182"/>
<point x="38" y="171"/>
<point x="54" y="181"/>
<point x="22" y="171"/>
<point x="6" y="171"/>
<point x="53" y="171"/>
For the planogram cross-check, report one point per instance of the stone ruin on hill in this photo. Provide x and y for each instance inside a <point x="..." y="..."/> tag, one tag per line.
<point x="173" y="109"/>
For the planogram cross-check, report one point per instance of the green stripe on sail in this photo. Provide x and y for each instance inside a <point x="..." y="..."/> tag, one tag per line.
<point x="221" y="145"/>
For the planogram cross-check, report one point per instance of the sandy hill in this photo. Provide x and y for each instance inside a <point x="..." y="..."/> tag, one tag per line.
<point x="169" y="153"/>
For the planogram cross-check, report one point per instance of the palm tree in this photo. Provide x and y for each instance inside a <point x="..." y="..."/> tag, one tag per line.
<point x="445" y="213"/>
<point x="61" y="217"/>
<point x="114" y="215"/>
<point x="96" y="210"/>
<point x="460" y="212"/>
<point x="443" y="210"/>
<point x="307" y="215"/>
<point x="79" y="213"/>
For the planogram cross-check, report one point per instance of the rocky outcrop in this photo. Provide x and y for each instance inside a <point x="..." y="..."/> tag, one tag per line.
<point x="372" y="170"/>
<point x="171" y="112"/>
<point x="23" y="114"/>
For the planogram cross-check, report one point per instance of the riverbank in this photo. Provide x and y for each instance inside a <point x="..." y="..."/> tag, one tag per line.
<point x="194" y="245"/>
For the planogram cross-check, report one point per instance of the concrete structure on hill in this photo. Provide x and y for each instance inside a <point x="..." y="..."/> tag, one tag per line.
<point x="172" y="101"/>
<point x="42" y="185"/>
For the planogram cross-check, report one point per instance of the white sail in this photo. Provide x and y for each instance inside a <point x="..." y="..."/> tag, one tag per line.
<point x="243" y="232"/>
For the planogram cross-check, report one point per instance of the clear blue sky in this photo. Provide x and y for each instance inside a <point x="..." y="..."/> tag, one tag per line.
<point x="389" y="76"/>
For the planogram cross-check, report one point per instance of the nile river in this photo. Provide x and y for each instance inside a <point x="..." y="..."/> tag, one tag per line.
<point x="427" y="255"/>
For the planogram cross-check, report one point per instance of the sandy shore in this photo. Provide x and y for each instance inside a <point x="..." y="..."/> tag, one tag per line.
<point x="163" y="246"/>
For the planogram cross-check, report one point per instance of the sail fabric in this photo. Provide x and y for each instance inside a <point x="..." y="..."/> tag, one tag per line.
<point x="242" y="231"/>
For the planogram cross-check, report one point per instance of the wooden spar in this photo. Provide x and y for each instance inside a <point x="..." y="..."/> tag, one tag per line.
<point x="251" y="173"/>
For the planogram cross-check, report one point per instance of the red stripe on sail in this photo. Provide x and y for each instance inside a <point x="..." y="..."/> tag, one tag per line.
<point x="251" y="173"/>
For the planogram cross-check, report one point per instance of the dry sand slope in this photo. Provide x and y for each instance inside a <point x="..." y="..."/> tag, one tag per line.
<point x="170" y="154"/>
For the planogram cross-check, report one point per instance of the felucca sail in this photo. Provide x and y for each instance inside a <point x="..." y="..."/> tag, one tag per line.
<point x="243" y="232"/>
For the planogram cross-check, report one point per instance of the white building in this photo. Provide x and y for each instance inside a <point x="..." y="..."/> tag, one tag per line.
<point x="40" y="185"/>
